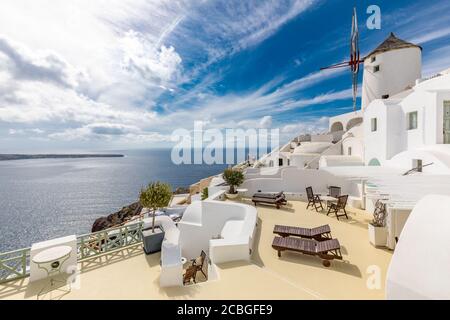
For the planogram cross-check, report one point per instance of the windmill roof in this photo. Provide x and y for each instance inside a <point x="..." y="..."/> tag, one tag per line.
<point x="393" y="43"/>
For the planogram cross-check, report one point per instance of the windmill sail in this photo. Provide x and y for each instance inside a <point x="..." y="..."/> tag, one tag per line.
<point x="355" y="58"/>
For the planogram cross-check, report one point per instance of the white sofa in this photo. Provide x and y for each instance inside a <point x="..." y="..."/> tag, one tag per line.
<point x="225" y="230"/>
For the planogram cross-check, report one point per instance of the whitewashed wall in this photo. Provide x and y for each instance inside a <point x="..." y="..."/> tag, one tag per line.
<point x="419" y="265"/>
<point x="297" y="180"/>
<point x="398" y="70"/>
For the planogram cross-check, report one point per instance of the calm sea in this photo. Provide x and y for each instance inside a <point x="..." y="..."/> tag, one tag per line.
<point x="44" y="199"/>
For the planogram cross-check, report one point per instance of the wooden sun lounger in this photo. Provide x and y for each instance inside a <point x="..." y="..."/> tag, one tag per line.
<point x="326" y="250"/>
<point x="278" y="199"/>
<point x="321" y="233"/>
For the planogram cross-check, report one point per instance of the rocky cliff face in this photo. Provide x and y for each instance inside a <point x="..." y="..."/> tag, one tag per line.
<point x="117" y="218"/>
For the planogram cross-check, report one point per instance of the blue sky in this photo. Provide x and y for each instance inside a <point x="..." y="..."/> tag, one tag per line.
<point x="93" y="74"/>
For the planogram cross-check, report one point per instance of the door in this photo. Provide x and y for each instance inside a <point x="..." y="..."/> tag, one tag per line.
<point x="447" y="122"/>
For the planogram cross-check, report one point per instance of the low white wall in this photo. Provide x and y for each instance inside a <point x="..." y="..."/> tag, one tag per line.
<point x="312" y="147"/>
<point x="264" y="172"/>
<point x="322" y="138"/>
<point x="340" y="161"/>
<point x="296" y="181"/>
<point x="300" y="160"/>
<point x="171" y="266"/>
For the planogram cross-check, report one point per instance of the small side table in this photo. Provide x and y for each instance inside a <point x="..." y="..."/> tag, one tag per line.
<point x="51" y="261"/>
<point x="328" y="199"/>
<point x="241" y="191"/>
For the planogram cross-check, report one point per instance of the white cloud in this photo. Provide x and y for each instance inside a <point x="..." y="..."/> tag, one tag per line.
<point x="430" y="36"/>
<point x="304" y="126"/>
<point x="43" y="66"/>
<point x="159" y="64"/>
<point x="83" y="69"/>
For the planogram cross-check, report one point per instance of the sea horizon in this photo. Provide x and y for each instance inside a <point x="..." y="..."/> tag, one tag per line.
<point x="49" y="198"/>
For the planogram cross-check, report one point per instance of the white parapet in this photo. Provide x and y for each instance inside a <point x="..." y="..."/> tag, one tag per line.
<point x="171" y="265"/>
<point x="69" y="265"/>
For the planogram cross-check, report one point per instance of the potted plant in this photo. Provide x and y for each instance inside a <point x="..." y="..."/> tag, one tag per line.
<point x="157" y="195"/>
<point x="234" y="178"/>
<point x="377" y="228"/>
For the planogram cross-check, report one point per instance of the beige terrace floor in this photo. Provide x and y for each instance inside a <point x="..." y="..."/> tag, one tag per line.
<point x="129" y="274"/>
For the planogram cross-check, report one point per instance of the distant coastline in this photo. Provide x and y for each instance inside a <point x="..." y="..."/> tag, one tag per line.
<point x="5" y="157"/>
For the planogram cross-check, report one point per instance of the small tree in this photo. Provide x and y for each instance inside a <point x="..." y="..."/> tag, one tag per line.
<point x="234" y="178"/>
<point x="205" y="194"/>
<point x="156" y="195"/>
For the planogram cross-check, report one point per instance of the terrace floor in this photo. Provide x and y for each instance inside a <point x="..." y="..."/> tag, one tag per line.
<point x="130" y="274"/>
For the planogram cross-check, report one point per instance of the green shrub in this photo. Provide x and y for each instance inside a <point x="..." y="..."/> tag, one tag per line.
<point x="234" y="178"/>
<point x="205" y="194"/>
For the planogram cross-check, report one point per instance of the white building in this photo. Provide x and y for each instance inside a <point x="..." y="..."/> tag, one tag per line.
<point x="404" y="118"/>
<point x="403" y="124"/>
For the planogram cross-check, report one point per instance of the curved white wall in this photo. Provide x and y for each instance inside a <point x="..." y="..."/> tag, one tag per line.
<point x="419" y="266"/>
<point x="204" y="220"/>
<point x="399" y="69"/>
<point x="439" y="155"/>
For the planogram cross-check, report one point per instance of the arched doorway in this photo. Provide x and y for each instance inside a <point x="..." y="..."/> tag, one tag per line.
<point x="337" y="126"/>
<point x="353" y="122"/>
<point x="374" y="162"/>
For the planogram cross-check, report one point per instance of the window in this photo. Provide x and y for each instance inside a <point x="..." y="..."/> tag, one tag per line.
<point x="373" y="124"/>
<point x="376" y="68"/>
<point x="373" y="59"/>
<point x="412" y="120"/>
<point x="349" y="151"/>
<point x="280" y="162"/>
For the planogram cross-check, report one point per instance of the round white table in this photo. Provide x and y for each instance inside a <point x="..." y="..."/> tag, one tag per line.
<point x="52" y="255"/>
<point x="51" y="260"/>
<point x="328" y="199"/>
<point x="241" y="191"/>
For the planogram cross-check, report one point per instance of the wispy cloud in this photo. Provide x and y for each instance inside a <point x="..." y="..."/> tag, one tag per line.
<point x="101" y="70"/>
<point x="438" y="60"/>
